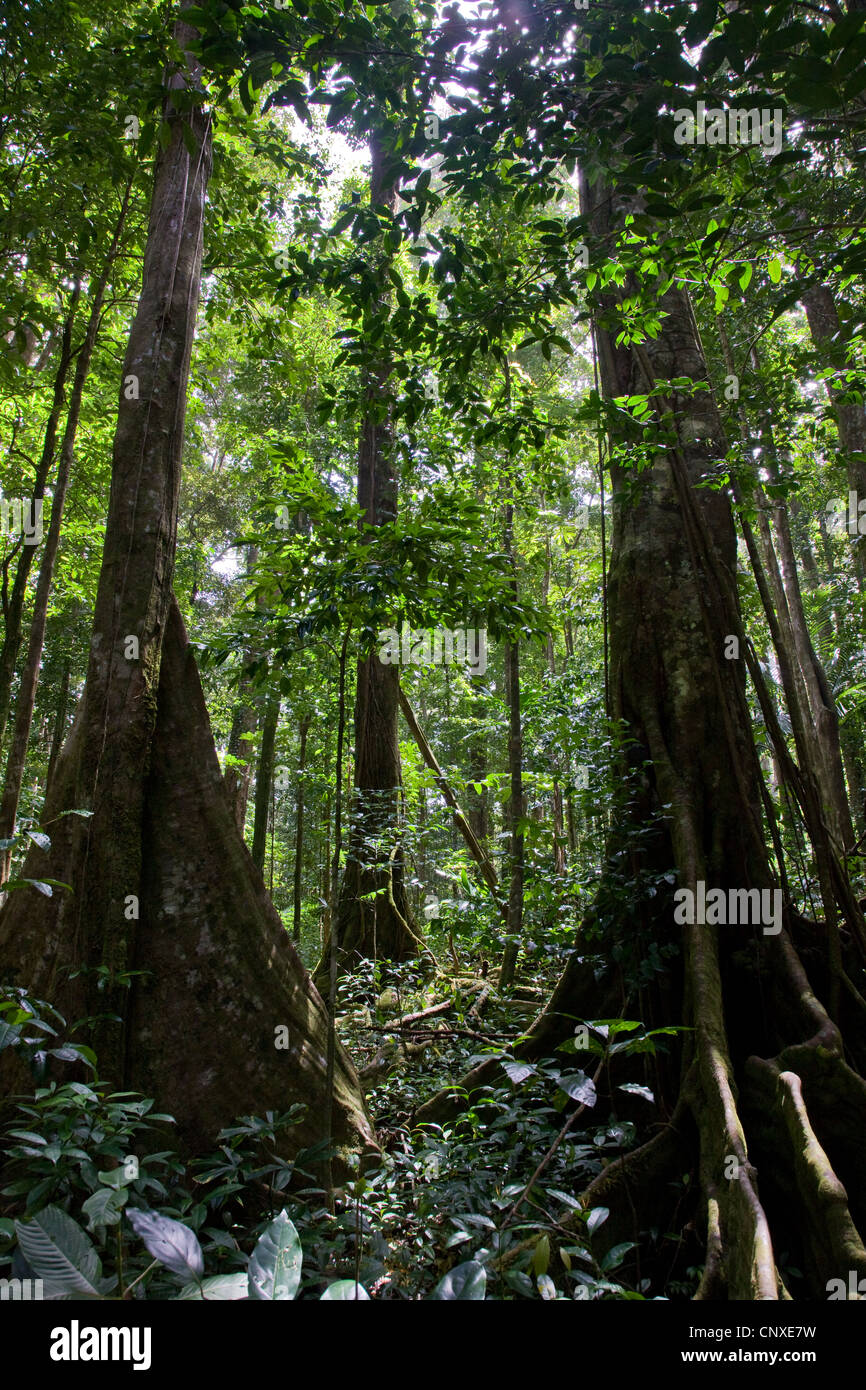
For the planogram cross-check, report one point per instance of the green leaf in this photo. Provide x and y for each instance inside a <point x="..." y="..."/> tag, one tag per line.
<point x="541" y="1255"/>
<point x="517" y="1072"/>
<point x="615" y="1255"/>
<point x="339" y="108"/>
<point x="44" y="885"/>
<point x="634" y="1090"/>
<point x="578" y="1086"/>
<point x="114" y="1177"/>
<point x="104" y="1207"/>
<point x="275" y="1264"/>
<point x="775" y="270"/>
<point x="59" y="1252"/>
<point x="9" y="1033"/>
<point x="170" y="1242"/>
<point x="596" y="1218"/>
<point x="218" y="1288"/>
<point x="344" y="1289"/>
<point x="467" y="1282"/>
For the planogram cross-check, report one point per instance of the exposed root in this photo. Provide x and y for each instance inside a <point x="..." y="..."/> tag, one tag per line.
<point x="712" y="1285"/>
<point x="832" y="1247"/>
<point x="727" y="1177"/>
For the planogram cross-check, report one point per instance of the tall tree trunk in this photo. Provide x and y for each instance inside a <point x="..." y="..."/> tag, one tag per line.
<point x="26" y="699"/>
<point x="556" y="799"/>
<point x="820" y="705"/>
<point x="325" y="882"/>
<point x="244" y="722"/>
<point x="13" y="603"/>
<point x="478" y="803"/>
<point x="762" y="1072"/>
<point x="59" y="722"/>
<point x="264" y="779"/>
<point x="374" y="917"/>
<point x="807" y="693"/>
<point x="826" y="333"/>
<point x="850" y="731"/>
<point x="516" y="810"/>
<point x="168" y="913"/>
<point x="303" y="729"/>
<point x="239" y="775"/>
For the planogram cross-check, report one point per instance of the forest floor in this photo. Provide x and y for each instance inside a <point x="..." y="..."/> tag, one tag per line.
<point x="502" y="1182"/>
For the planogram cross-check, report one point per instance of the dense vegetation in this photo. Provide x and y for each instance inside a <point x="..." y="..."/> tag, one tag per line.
<point x="432" y="682"/>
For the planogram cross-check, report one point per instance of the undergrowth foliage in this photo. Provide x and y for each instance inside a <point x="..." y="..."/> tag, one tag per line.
<point x="98" y="1204"/>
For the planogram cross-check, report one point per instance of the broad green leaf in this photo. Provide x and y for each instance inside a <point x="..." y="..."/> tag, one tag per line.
<point x="114" y="1177"/>
<point x="104" y="1207"/>
<point x="578" y="1086"/>
<point x="596" y="1218"/>
<point x="218" y="1288"/>
<point x="465" y="1282"/>
<point x="275" y="1264"/>
<point x="541" y="1255"/>
<point x="59" y="1252"/>
<point x="9" y="1033"/>
<point x="517" y="1072"/>
<point x="615" y="1255"/>
<point x="170" y="1242"/>
<point x="634" y="1090"/>
<point x="344" y="1289"/>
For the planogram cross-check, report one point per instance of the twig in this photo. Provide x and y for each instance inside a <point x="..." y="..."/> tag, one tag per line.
<point x="550" y="1152"/>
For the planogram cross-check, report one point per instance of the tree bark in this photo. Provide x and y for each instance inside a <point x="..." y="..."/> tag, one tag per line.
<point x="244" y="721"/>
<point x="29" y="683"/>
<point x="59" y="723"/>
<point x="826" y="331"/>
<point x="516" y="809"/>
<point x="374" y="917"/>
<point x="239" y="776"/>
<point x="755" y="1021"/>
<point x="478" y="803"/>
<point x="264" y="780"/>
<point x="169" y="926"/>
<point x="13" y="603"/>
<point x="303" y="730"/>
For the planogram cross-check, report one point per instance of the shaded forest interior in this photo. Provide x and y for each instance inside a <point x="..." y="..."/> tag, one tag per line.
<point x="432" y="678"/>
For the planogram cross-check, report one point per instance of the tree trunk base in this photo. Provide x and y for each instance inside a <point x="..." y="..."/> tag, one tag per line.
<point x="224" y="1020"/>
